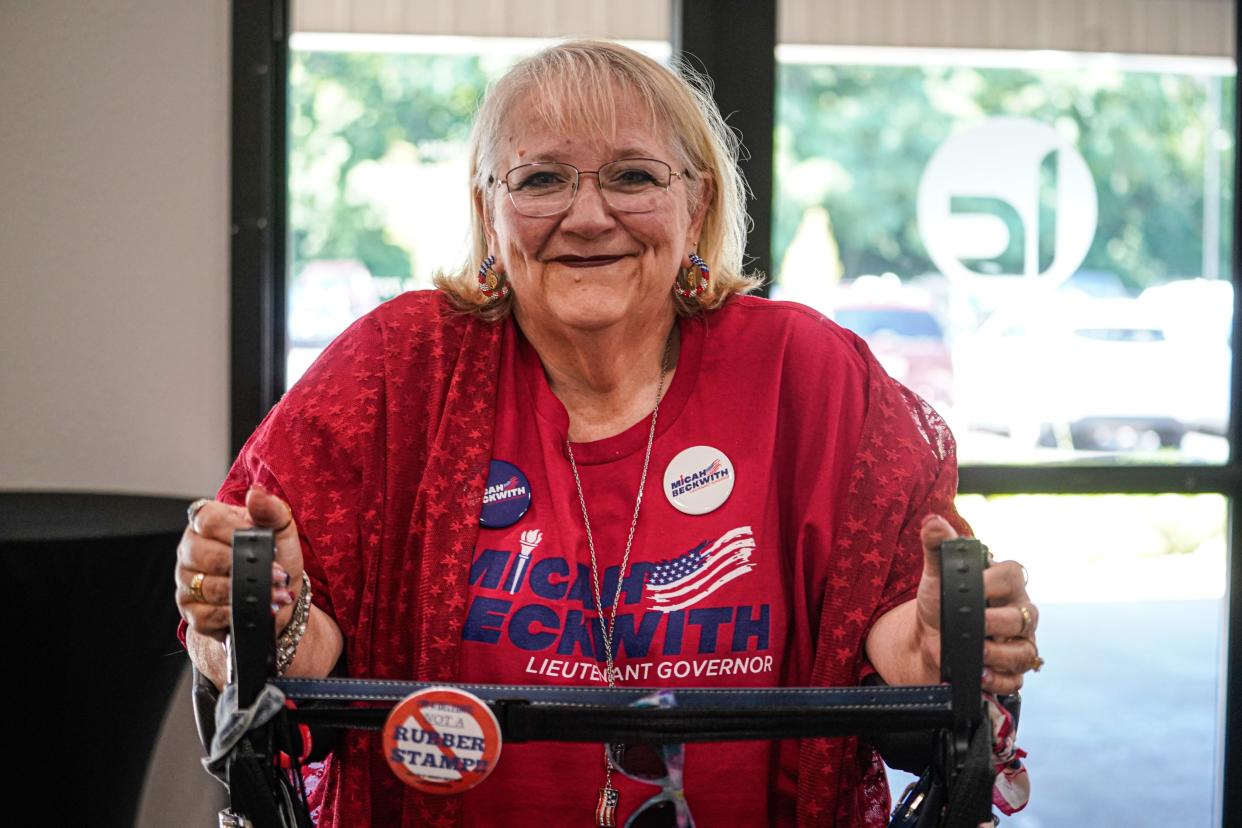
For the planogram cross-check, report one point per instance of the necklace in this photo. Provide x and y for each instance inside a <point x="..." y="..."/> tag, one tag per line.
<point x="606" y="807"/>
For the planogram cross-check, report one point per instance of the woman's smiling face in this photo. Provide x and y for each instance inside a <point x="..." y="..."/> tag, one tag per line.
<point x="591" y="266"/>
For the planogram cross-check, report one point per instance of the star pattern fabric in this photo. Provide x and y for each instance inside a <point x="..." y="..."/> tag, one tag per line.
<point x="905" y="469"/>
<point x="381" y="450"/>
<point x="412" y="381"/>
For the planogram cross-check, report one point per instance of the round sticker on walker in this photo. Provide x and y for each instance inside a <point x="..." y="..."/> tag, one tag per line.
<point x="506" y="496"/>
<point x="698" y="480"/>
<point x="441" y="740"/>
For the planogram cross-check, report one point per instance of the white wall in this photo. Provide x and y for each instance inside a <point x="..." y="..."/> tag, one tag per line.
<point x="114" y="136"/>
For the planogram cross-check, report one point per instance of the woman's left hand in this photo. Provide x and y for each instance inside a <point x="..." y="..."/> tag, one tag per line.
<point x="1009" y="621"/>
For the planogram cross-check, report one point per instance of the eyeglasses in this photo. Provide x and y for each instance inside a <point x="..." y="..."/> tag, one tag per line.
<point x="656" y="765"/>
<point x="630" y="185"/>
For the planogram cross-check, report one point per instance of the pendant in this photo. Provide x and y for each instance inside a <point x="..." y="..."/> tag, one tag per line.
<point x="606" y="808"/>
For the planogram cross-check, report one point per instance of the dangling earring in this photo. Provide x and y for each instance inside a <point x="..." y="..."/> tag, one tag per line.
<point x="695" y="287"/>
<point x="492" y="283"/>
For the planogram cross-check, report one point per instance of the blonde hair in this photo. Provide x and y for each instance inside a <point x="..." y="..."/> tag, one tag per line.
<point x="574" y="83"/>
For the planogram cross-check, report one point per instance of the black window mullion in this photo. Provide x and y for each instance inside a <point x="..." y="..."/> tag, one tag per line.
<point x="1230" y="798"/>
<point x="734" y="42"/>
<point x="1069" y="479"/>
<point x="258" y="164"/>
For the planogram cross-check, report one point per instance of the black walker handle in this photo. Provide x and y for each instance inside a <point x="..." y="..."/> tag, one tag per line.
<point x="968" y="776"/>
<point x="252" y="642"/>
<point x="962" y="604"/>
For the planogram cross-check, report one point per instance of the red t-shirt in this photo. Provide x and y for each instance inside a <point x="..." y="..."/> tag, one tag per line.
<point x="729" y="598"/>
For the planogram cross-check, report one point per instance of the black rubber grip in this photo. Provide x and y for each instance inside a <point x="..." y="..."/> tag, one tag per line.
<point x="253" y="637"/>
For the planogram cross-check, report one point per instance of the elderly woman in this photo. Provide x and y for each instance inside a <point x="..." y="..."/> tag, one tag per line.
<point x="594" y="459"/>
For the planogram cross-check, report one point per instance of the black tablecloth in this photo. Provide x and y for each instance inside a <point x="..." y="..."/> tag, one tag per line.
<point x="93" y="657"/>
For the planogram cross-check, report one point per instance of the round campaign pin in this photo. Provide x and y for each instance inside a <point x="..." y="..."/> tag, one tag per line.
<point x="442" y="740"/>
<point x="698" y="480"/>
<point x="506" y="496"/>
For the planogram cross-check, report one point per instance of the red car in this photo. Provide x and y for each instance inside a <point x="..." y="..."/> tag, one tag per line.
<point x="910" y="344"/>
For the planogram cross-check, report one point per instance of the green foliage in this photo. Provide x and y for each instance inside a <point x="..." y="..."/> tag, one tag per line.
<point x="347" y="109"/>
<point x="855" y="140"/>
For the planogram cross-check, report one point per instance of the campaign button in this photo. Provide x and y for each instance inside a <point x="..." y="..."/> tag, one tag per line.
<point x="698" y="480"/>
<point x="506" y="497"/>
<point x="442" y="740"/>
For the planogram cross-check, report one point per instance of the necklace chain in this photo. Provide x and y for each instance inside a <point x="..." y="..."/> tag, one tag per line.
<point x="609" y="627"/>
<point x="608" y="796"/>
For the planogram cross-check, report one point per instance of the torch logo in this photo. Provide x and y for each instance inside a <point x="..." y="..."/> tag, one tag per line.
<point x="529" y="540"/>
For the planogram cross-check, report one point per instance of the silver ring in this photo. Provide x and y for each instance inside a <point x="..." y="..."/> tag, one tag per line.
<point x="193" y="509"/>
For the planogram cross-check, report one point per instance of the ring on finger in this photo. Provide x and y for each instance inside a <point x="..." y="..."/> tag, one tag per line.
<point x="1026" y="620"/>
<point x="196" y="587"/>
<point x="192" y="510"/>
<point x="1037" y="662"/>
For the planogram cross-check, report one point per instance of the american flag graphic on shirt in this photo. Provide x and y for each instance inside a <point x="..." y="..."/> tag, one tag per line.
<point x="685" y="580"/>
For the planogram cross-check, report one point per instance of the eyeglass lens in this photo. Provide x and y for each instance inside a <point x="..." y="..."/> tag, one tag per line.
<point x="631" y="185"/>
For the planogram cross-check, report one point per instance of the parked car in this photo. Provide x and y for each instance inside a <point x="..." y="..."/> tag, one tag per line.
<point x="1091" y="373"/>
<point x="908" y="341"/>
<point x="1198" y="316"/>
<point x="325" y="297"/>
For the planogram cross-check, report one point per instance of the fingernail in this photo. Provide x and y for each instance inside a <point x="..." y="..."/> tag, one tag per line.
<point x="258" y="487"/>
<point x="929" y="518"/>
<point x="283" y="597"/>
<point x="275" y="609"/>
<point x="987" y="675"/>
<point x="279" y="576"/>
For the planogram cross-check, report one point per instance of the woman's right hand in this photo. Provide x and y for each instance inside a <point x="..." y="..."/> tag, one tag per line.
<point x="205" y="559"/>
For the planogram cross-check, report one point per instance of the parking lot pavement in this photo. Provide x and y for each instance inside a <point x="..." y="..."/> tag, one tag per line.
<point x="1122" y="726"/>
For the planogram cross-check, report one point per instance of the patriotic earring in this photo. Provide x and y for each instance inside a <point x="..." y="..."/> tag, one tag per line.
<point x="695" y="287"/>
<point x="492" y="282"/>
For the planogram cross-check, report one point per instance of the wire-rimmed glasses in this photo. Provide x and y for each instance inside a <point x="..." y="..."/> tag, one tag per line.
<point x="628" y="185"/>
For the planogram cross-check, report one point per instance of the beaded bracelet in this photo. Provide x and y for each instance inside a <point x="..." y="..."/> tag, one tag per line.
<point x="291" y="636"/>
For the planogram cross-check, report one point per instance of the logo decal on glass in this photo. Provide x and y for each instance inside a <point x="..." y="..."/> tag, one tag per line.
<point x="1013" y="166"/>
